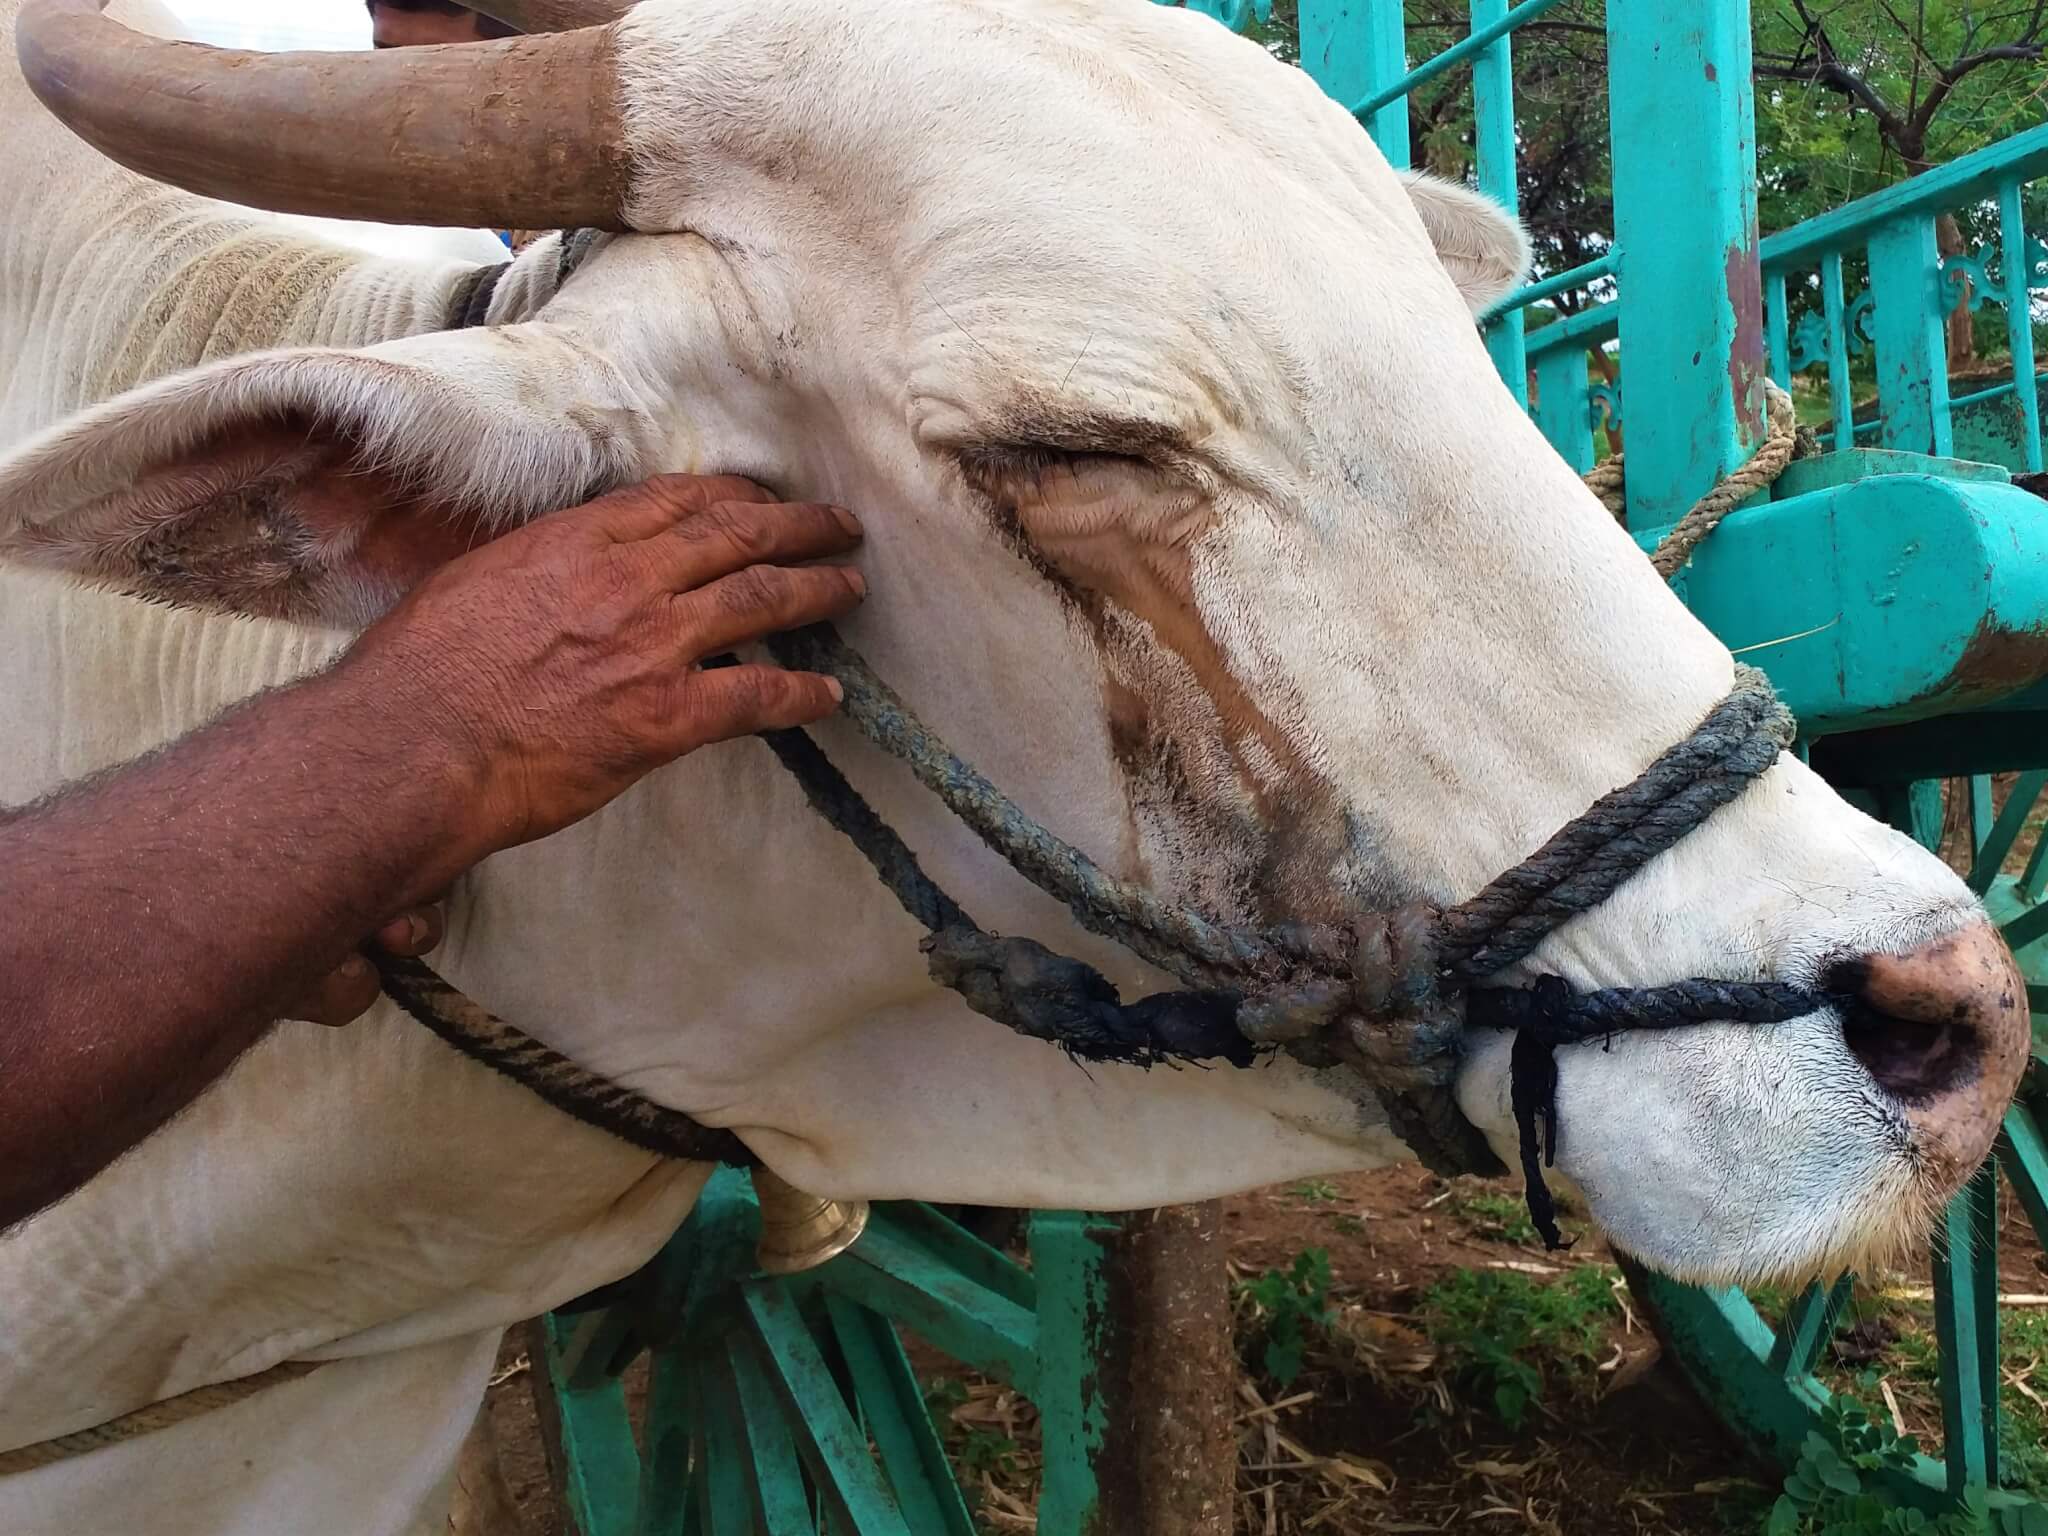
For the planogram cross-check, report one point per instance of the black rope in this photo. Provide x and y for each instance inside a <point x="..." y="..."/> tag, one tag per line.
<point x="1016" y="982"/>
<point x="1373" y="1005"/>
<point x="547" y="1073"/>
<point x="1587" y="860"/>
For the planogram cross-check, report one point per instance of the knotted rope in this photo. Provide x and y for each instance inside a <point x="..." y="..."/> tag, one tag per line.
<point x="1382" y="995"/>
<point x="1608" y="481"/>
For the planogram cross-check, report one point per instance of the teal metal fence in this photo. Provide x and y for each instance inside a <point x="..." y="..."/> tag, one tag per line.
<point x="1898" y="317"/>
<point x="1685" y="224"/>
<point x="1684" y="185"/>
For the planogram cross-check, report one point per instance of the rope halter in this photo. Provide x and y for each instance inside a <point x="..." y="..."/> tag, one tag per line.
<point x="1388" y="995"/>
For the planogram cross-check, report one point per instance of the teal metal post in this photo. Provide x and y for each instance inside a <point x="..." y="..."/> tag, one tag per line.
<point x="1692" y="324"/>
<point x="1493" y="117"/>
<point x="2019" y="319"/>
<point x="1906" y="331"/>
<point x="1841" y="400"/>
<point x="1779" y="320"/>
<point x="1354" y="49"/>
<point x="1564" y="404"/>
<point x="1076" y="1346"/>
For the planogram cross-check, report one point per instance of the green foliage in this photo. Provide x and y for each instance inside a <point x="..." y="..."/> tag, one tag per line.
<point x="1314" y="1191"/>
<point x="2023" y="1425"/>
<point x="1500" y="1218"/>
<point x="1509" y="1339"/>
<point x="1836" y="1488"/>
<point x="974" y="1449"/>
<point x="1289" y="1307"/>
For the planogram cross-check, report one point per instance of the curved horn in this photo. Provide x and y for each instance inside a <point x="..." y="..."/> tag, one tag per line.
<point x="553" y="15"/>
<point x="519" y="134"/>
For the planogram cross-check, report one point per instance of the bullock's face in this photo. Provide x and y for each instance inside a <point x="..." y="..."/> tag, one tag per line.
<point x="1200" y="520"/>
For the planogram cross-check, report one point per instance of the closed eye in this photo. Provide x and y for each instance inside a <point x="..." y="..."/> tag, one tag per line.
<point x="991" y="465"/>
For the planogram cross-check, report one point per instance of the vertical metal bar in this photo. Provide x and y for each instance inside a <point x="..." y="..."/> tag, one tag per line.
<point x="778" y="1477"/>
<point x="893" y="1412"/>
<point x="600" y="1466"/>
<point x="1981" y="814"/>
<point x="1906" y="326"/>
<point x="1683" y="119"/>
<point x="1966" y="1326"/>
<point x="835" y="1448"/>
<point x="1493" y="119"/>
<point x="666" y="1428"/>
<point x="2023" y="1149"/>
<point x="1067" y="1256"/>
<point x="1840" y="398"/>
<point x="1564" y="404"/>
<point x="1778" y="327"/>
<point x="1354" y="49"/>
<point x="2019" y="318"/>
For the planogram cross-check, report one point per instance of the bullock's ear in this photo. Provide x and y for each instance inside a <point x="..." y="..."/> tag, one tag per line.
<point x="1480" y="245"/>
<point x="319" y="485"/>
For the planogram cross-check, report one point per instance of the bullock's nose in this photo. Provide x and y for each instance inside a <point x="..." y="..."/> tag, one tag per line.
<point x="1944" y="1030"/>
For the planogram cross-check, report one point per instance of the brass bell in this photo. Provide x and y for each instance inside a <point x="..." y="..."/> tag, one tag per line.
<point x="799" y="1231"/>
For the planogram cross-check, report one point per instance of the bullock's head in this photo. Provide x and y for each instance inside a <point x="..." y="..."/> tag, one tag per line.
<point x="1198" y="515"/>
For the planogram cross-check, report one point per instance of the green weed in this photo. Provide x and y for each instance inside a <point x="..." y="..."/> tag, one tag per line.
<point x="1314" y="1191"/>
<point x="1289" y="1307"/>
<point x="1500" y="1218"/>
<point x="1837" y="1489"/>
<point x="1510" y="1339"/>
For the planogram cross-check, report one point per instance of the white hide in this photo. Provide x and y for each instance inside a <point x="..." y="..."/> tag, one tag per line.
<point x="918" y="237"/>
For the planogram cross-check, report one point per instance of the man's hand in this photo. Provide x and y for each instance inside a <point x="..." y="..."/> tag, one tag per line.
<point x="560" y="661"/>
<point x="345" y="993"/>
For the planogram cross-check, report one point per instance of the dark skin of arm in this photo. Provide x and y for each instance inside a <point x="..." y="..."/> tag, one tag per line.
<point x="162" y="915"/>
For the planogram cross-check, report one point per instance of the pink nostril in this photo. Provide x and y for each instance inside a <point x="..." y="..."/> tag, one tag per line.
<point x="1944" y="1022"/>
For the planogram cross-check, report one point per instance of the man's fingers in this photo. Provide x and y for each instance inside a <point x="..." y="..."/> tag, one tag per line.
<point x="412" y="933"/>
<point x="733" y="535"/>
<point x="342" y="996"/>
<point x="763" y="599"/>
<point x="745" y="700"/>
<point x="655" y="506"/>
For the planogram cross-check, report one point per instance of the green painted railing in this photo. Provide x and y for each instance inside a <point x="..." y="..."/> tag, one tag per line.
<point x="1684" y="130"/>
<point x="1899" y="317"/>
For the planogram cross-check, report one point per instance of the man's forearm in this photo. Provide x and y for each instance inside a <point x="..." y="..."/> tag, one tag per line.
<point x="159" y="915"/>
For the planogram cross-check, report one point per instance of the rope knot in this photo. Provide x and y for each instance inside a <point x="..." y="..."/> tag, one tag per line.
<point x="1028" y="988"/>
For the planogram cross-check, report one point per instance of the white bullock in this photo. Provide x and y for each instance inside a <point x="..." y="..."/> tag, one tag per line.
<point x="1198" y="520"/>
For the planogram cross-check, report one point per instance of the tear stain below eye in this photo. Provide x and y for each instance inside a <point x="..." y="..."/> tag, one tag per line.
<point x="1135" y="595"/>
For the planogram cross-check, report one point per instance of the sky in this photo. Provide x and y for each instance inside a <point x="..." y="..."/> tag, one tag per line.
<point x="277" y="23"/>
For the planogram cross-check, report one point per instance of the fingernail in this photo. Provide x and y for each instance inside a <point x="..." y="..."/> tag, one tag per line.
<point x="354" y="968"/>
<point x="854" y="579"/>
<point x="847" y="521"/>
<point x="416" y="930"/>
<point x="836" y="689"/>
